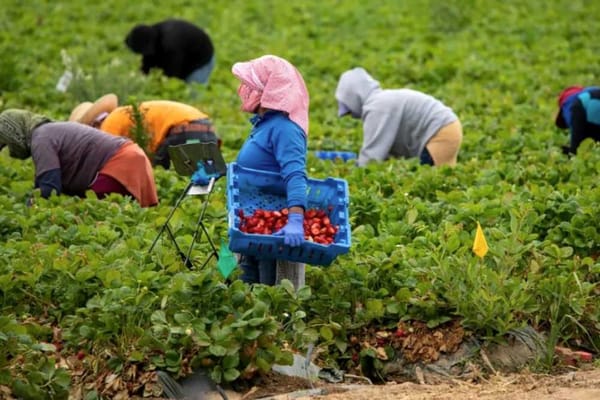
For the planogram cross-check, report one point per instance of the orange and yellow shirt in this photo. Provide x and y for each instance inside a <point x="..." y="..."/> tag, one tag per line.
<point x="158" y="116"/>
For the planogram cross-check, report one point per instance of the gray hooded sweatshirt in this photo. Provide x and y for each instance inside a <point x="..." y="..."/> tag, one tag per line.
<point x="396" y="122"/>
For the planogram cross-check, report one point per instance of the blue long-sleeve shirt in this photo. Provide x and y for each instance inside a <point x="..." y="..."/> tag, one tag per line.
<point x="581" y="113"/>
<point x="278" y="144"/>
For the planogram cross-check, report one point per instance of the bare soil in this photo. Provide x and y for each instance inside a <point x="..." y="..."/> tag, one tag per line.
<point x="574" y="385"/>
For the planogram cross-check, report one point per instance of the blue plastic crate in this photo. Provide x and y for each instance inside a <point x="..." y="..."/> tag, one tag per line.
<point x="250" y="189"/>
<point x="333" y="155"/>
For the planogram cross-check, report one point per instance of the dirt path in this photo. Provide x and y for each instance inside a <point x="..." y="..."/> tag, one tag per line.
<point x="575" y="385"/>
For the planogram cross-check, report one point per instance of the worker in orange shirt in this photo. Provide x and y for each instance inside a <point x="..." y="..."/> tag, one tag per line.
<point x="167" y="123"/>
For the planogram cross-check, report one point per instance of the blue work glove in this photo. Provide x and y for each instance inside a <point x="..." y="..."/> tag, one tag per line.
<point x="200" y="177"/>
<point x="293" y="231"/>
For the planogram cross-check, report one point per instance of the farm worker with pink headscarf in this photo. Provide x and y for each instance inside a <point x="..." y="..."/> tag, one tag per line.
<point x="273" y="90"/>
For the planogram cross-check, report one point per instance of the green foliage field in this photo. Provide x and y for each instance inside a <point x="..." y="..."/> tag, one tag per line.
<point x="79" y="291"/>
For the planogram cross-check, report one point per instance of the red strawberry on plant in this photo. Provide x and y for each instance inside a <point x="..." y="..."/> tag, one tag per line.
<point x="400" y="333"/>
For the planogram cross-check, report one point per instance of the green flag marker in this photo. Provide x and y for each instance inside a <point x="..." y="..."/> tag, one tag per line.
<point x="227" y="261"/>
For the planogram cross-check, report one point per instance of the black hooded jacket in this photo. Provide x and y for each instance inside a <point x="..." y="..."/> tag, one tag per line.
<point x="177" y="47"/>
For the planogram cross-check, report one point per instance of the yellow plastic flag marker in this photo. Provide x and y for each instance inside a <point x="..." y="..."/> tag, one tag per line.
<point x="480" y="246"/>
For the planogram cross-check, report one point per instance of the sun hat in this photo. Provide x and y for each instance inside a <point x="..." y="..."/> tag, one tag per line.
<point x="87" y="112"/>
<point x="562" y="98"/>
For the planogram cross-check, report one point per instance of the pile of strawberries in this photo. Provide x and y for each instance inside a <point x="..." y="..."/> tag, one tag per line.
<point x="317" y="225"/>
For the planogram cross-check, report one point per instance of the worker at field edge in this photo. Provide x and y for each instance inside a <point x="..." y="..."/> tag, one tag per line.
<point x="398" y="122"/>
<point x="179" y="48"/>
<point x="579" y="112"/>
<point x="167" y="123"/>
<point x="274" y="91"/>
<point x="72" y="158"/>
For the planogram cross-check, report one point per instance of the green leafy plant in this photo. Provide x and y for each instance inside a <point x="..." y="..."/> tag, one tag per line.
<point x="36" y="375"/>
<point x="81" y="267"/>
<point x="138" y="132"/>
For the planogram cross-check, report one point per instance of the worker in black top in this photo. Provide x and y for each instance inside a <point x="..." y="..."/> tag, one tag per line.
<point x="177" y="47"/>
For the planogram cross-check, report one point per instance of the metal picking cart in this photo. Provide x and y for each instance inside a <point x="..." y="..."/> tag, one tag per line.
<point x="203" y="163"/>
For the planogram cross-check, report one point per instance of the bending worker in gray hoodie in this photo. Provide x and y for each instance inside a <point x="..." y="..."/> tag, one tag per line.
<point x="399" y="122"/>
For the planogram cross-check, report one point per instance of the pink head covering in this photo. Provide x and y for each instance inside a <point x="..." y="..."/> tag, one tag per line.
<point x="280" y="85"/>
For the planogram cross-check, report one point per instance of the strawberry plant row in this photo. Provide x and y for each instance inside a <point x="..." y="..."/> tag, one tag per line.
<point x="84" y="303"/>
